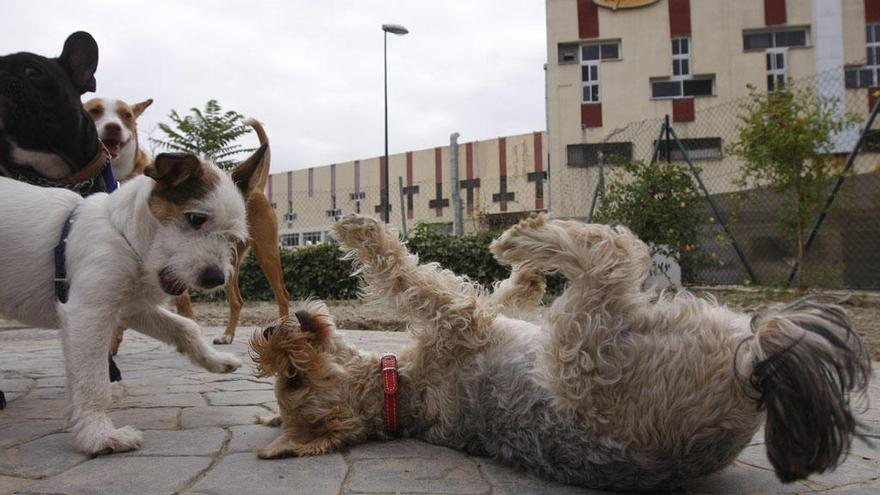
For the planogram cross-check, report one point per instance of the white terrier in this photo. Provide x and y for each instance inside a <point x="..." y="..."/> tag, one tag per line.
<point x="174" y="227"/>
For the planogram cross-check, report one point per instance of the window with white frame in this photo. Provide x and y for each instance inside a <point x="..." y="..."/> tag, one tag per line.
<point x="590" y="81"/>
<point x="777" y="68"/>
<point x="311" y="238"/>
<point x="682" y="84"/>
<point x="289" y="240"/>
<point x="788" y="38"/>
<point x="590" y="57"/>
<point x="681" y="58"/>
<point x="869" y="74"/>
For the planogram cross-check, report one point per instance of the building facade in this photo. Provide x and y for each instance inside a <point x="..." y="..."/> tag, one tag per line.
<point x="616" y="64"/>
<point x="496" y="177"/>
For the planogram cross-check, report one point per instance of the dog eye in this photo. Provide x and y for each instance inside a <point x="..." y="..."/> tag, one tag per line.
<point x="31" y="71"/>
<point x="196" y="219"/>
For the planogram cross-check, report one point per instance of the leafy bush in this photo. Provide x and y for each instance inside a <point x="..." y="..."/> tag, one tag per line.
<point x="661" y="204"/>
<point x="317" y="271"/>
<point x="310" y="271"/>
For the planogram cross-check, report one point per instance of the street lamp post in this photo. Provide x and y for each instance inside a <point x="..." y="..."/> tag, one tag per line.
<point x="386" y="203"/>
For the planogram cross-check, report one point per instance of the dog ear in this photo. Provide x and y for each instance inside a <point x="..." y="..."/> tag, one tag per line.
<point x="173" y="169"/>
<point x="80" y="59"/>
<point x="314" y="319"/>
<point x="247" y="174"/>
<point x="138" y="108"/>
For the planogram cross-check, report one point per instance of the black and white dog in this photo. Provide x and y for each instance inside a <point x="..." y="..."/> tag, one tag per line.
<point x="46" y="138"/>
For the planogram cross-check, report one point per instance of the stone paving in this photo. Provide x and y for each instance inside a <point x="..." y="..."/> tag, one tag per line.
<point x="199" y="437"/>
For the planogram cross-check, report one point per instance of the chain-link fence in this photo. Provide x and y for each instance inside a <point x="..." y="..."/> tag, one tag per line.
<point x="743" y="233"/>
<point x="747" y="233"/>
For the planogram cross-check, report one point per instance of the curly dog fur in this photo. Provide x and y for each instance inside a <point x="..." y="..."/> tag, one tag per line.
<point x="615" y="389"/>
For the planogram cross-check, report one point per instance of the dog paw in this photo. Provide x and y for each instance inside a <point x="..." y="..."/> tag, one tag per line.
<point x="115" y="440"/>
<point x="512" y="247"/>
<point x="223" y="339"/>
<point x="269" y="420"/>
<point x="354" y="229"/>
<point x="222" y="362"/>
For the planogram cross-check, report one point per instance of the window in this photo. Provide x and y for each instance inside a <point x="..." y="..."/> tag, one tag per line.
<point x="774" y="39"/>
<point x="568" y="53"/>
<point x="358" y="196"/>
<point x="289" y="240"/>
<point x="601" y="51"/>
<point x="777" y="68"/>
<point x="686" y="88"/>
<point x="867" y="76"/>
<point x="590" y="81"/>
<point x="590" y="56"/>
<point x="587" y="155"/>
<point x="289" y="217"/>
<point x="682" y="84"/>
<point x="697" y="149"/>
<point x="681" y="58"/>
<point x="311" y="238"/>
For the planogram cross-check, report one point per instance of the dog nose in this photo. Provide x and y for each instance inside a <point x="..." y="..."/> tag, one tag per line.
<point x="212" y="277"/>
<point x="268" y="331"/>
<point x="113" y="128"/>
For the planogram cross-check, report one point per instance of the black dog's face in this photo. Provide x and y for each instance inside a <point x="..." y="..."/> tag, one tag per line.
<point x="41" y="115"/>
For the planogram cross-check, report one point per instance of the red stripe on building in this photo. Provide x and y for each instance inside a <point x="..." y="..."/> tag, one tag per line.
<point x="588" y="19"/>
<point x="591" y="115"/>
<point x="539" y="168"/>
<point x="333" y="179"/>
<point x="409" y="179"/>
<point x="382" y="187"/>
<point x="311" y="182"/>
<point x="289" y="192"/>
<point x="774" y="12"/>
<point x="438" y="175"/>
<point x="683" y="110"/>
<point x="872" y="10"/>
<point x="680" y="17"/>
<point x="269" y="189"/>
<point x="502" y="165"/>
<point x="469" y="172"/>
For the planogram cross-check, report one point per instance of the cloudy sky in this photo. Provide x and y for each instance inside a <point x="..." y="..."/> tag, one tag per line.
<point x="312" y="70"/>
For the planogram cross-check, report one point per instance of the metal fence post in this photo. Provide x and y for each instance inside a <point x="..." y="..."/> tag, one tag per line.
<point x="402" y="205"/>
<point x="715" y="209"/>
<point x="835" y="189"/>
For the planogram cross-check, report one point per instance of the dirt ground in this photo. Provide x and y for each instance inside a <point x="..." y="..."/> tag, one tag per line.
<point x="863" y="307"/>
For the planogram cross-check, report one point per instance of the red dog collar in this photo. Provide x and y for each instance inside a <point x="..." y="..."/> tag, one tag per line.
<point x="389" y="387"/>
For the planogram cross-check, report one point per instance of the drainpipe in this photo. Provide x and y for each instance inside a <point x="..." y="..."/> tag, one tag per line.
<point x="456" y="197"/>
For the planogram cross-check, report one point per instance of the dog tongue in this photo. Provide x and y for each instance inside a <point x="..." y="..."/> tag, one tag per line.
<point x="114" y="147"/>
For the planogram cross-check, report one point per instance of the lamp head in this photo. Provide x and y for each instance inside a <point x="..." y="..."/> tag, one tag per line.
<point x="394" y="29"/>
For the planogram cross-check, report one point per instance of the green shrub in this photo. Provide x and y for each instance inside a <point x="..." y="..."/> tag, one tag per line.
<point x="317" y="271"/>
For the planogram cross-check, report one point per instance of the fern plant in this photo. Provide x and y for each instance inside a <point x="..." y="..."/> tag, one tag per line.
<point x="210" y="133"/>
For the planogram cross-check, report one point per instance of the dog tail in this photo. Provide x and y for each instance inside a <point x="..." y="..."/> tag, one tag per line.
<point x="805" y="360"/>
<point x="263" y="179"/>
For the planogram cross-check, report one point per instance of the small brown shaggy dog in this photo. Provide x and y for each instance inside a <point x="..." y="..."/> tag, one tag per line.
<point x="616" y="389"/>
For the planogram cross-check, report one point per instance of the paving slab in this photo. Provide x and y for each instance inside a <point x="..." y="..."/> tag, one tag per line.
<point x="156" y="418"/>
<point x="115" y="474"/>
<point x="199" y="437"/>
<point x="244" y="473"/>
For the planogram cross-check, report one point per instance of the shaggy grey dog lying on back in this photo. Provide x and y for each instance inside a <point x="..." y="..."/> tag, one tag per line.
<point x="614" y="390"/>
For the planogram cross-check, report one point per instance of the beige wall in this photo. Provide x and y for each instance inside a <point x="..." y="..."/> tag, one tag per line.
<point x="717" y="28"/>
<point x="311" y="212"/>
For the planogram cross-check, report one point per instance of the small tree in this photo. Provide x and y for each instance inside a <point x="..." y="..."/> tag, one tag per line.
<point x="660" y="204"/>
<point x="210" y="133"/>
<point x="786" y="140"/>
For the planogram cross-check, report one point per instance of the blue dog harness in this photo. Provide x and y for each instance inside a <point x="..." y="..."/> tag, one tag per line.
<point x="62" y="284"/>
